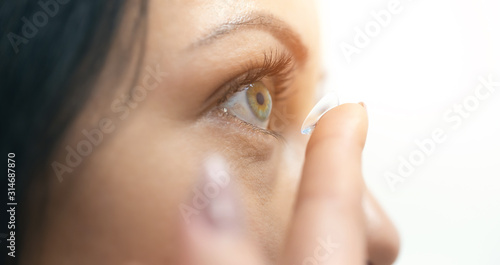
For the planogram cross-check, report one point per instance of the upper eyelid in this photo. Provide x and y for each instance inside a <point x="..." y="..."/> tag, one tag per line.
<point x="253" y="70"/>
<point x="281" y="67"/>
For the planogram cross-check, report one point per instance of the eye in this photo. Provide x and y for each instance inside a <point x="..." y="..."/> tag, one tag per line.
<point x="253" y="104"/>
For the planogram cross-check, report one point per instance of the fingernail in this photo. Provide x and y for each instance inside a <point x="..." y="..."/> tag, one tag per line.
<point x="325" y="104"/>
<point x="362" y="104"/>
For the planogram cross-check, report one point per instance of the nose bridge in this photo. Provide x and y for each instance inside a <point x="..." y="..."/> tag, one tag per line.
<point x="382" y="237"/>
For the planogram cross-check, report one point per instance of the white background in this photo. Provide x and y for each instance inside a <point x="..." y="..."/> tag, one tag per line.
<point x="427" y="59"/>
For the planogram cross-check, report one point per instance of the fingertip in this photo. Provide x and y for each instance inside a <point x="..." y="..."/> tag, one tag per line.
<point x="347" y="124"/>
<point x="329" y="199"/>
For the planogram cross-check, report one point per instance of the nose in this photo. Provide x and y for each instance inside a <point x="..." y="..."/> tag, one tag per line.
<point x="382" y="237"/>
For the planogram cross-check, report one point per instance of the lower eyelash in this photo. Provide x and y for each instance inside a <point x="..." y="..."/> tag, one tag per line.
<point x="250" y="128"/>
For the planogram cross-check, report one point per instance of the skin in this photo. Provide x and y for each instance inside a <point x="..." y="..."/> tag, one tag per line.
<point x="120" y="205"/>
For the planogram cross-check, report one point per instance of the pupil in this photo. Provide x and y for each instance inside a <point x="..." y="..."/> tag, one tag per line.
<point x="260" y="98"/>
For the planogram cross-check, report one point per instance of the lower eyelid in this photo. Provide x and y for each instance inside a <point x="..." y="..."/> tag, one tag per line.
<point x="245" y="127"/>
<point x="238" y="138"/>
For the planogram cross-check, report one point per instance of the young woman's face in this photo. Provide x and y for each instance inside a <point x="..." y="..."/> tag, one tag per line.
<point x="234" y="78"/>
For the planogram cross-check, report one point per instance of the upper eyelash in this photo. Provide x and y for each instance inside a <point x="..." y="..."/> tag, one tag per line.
<point x="278" y="65"/>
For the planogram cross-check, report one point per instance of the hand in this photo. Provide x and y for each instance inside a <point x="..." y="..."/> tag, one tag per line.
<point x="335" y="219"/>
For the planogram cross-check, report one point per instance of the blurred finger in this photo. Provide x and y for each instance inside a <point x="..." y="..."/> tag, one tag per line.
<point x="213" y="232"/>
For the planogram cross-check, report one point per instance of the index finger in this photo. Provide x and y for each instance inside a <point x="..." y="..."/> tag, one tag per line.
<point x="328" y="223"/>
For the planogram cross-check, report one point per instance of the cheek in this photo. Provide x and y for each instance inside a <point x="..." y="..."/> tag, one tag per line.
<point x="122" y="201"/>
<point x="133" y="184"/>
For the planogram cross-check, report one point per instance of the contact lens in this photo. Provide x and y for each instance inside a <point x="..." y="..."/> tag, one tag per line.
<point x="329" y="101"/>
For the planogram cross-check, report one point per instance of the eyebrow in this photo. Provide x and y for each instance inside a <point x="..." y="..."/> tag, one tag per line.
<point x="262" y="21"/>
